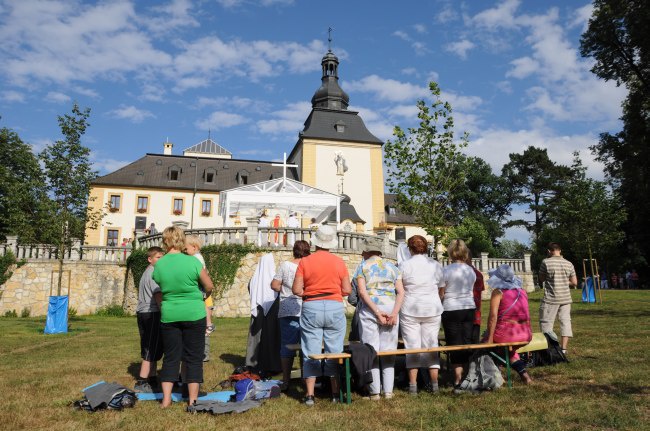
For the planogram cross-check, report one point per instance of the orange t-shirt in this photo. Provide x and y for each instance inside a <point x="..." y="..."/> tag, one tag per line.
<point x="322" y="273"/>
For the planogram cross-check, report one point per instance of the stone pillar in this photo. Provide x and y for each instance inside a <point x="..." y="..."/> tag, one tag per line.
<point x="75" y="251"/>
<point x="484" y="261"/>
<point x="12" y="243"/>
<point x="527" y="266"/>
<point x="384" y="237"/>
<point x="251" y="230"/>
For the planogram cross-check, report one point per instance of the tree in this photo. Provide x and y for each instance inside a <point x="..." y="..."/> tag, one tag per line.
<point x="617" y="39"/>
<point x="475" y="235"/>
<point x="588" y="218"/>
<point x="511" y="249"/>
<point x="69" y="173"/>
<point x="484" y="196"/>
<point x="23" y="197"/>
<point x="536" y="181"/>
<point x="425" y="165"/>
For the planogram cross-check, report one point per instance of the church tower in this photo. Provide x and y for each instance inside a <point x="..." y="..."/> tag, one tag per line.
<point x="335" y="151"/>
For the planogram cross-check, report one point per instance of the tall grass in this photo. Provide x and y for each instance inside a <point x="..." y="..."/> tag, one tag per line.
<point x="605" y="386"/>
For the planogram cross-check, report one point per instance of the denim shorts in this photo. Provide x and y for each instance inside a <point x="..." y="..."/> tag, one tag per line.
<point x="322" y="323"/>
<point x="289" y="334"/>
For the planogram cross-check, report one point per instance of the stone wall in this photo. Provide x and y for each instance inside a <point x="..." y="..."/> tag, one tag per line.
<point x="98" y="284"/>
<point x="91" y="285"/>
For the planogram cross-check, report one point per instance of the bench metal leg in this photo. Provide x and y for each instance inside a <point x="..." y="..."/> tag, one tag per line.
<point x="508" y="371"/>
<point x="348" y="381"/>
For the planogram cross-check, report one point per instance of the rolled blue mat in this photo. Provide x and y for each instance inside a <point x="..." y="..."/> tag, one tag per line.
<point x="223" y="396"/>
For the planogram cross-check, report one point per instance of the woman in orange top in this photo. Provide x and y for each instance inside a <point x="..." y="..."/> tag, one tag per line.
<point x="321" y="280"/>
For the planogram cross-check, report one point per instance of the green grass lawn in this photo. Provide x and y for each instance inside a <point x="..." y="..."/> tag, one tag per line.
<point x="604" y="387"/>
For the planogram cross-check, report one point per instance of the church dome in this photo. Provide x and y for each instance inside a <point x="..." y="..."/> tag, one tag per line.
<point x="330" y="95"/>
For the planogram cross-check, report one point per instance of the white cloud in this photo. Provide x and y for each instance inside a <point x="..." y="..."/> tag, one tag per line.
<point x="228" y="4"/>
<point x="387" y="89"/>
<point x="420" y="28"/>
<point x="446" y="15"/>
<point x="88" y="92"/>
<point x="174" y="15"/>
<point x="256" y="152"/>
<point x="404" y="111"/>
<point x="410" y="71"/>
<point x="459" y="102"/>
<point x="104" y="164"/>
<point x="40" y="144"/>
<point x="502" y="16"/>
<point x="460" y="48"/>
<point x="131" y="113"/>
<point x="494" y="146"/>
<point x="12" y="96"/>
<point x="419" y="47"/>
<point x="582" y="15"/>
<point x="523" y="67"/>
<point x="56" y="97"/>
<point x="402" y="35"/>
<point x="220" y="120"/>
<point x="287" y="120"/>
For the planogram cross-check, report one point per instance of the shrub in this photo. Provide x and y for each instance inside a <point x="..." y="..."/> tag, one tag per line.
<point x="72" y="312"/>
<point x="6" y="261"/>
<point x="112" y="311"/>
<point x="25" y="313"/>
<point x="137" y="263"/>
<point x="11" y="313"/>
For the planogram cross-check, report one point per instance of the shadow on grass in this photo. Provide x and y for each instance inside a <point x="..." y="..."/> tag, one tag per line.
<point x="612" y="313"/>
<point x="232" y="359"/>
<point x="134" y="369"/>
<point x="613" y="389"/>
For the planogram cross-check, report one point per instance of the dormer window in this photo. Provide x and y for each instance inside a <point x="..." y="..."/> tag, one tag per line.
<point x="242" y="177"/>
<point x="392" y="211"/>
<point x="174" y="173"/>
<point x="209" y="175"/>
<point x="340" y="126"/>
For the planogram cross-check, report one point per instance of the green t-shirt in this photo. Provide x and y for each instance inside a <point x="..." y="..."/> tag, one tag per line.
<point x="177" y="274"/>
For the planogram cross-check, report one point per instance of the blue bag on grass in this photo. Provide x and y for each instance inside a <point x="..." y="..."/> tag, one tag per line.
<point x="57" y="315"/>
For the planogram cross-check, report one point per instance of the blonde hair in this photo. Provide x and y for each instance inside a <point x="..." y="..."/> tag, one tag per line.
<point x="194" y="240"/>
<point x="457" y="250"/>
<point x="173" y="237"/>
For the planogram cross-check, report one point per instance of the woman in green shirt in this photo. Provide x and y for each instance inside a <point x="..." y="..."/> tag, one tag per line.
<point x="182" y="314"/>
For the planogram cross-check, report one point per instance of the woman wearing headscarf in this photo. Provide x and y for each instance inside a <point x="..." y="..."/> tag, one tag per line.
<point x="509" y="319"/>
<point x="183" y="316"/>
<point x="321" y="281"/>
<point x="380" y="289"/>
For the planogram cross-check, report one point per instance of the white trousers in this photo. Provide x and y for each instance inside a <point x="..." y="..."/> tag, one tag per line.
<point x="380" y="337"/>
<point x="417" y="333"/>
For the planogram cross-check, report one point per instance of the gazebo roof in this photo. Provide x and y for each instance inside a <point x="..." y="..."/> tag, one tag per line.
<point x="282" y="195"/>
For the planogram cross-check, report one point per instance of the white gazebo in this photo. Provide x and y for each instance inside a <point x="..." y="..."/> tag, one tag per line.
<point x="278" y="195"/>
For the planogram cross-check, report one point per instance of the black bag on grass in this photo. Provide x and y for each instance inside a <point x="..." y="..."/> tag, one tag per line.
<point x="550" y="356"/>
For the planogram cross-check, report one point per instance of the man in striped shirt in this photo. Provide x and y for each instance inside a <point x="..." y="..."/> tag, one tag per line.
<point x="557" y="275"/>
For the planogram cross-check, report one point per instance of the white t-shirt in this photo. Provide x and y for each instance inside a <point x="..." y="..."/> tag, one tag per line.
<point x="290" y="304"/>
<point x="421" y="276"/>
<point x="459" y="280"/>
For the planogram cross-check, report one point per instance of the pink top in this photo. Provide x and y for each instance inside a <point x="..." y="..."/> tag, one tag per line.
<point x="513" y="321"/>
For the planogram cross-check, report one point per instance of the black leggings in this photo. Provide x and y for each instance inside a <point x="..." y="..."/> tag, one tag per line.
<point x="183" y="341"/>
<point x="458" y="326"/>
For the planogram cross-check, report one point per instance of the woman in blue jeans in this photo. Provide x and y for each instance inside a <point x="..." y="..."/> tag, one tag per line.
<point x="321" y="281"/>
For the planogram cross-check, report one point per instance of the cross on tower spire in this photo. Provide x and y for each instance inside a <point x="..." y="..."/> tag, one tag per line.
<point x="329" y="39"/>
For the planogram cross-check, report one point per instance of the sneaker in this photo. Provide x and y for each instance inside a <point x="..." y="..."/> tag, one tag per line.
<point x="335" y="400"/>
<point x="284" y="386"/>
<point x="375" y="397"/>
<point x="309" y="400"/>
<point x="388" y="395"/>
<point x="413" y="390"/>
<point x="458" y="390"/>
<point x="209" y="329"/>
<point x="143" y="387"/>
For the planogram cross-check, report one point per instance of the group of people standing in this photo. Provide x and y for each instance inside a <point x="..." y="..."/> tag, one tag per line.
<point x="414" y="299"/>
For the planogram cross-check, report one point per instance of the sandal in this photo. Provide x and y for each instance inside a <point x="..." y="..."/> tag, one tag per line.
<point x="209" y="329"/>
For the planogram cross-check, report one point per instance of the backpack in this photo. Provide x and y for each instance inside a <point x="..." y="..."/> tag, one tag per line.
<point x="550" y="356"/>
<point x="482" y="374"/>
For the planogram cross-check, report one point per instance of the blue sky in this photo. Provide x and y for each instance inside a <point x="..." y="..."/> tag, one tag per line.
<point x="152" y="70"/>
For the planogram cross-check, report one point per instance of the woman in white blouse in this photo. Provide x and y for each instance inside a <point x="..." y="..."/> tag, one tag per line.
<point x="421" y="311"/>
<point x="290" y="307"/>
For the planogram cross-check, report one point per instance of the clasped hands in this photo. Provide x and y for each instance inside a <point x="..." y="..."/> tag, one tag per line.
<point x="385" y="318"/>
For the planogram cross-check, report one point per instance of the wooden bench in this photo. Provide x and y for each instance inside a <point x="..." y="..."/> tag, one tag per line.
<point x="344" y="359"/>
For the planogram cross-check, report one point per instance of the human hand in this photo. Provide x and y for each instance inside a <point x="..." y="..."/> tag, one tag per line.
<point x="392" y="319"/>
<point x="382" y="318"/>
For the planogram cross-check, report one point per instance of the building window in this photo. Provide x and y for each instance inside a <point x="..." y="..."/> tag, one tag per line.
<point x="242" y="177"/>
<point x="178" y="206"/>
<point x="143" y="204"/>
<point x="174" y="173"/>
<point x="115" y="203"/>
<point x="392" y="211"/>
<point x="340" y="126"/>
<point x="112" y="237"/>
<point x="209" y="175"/>
<point x="206" y="207"/>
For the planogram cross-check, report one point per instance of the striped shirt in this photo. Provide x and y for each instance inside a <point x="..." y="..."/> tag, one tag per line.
<point x="557" y="272"/>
